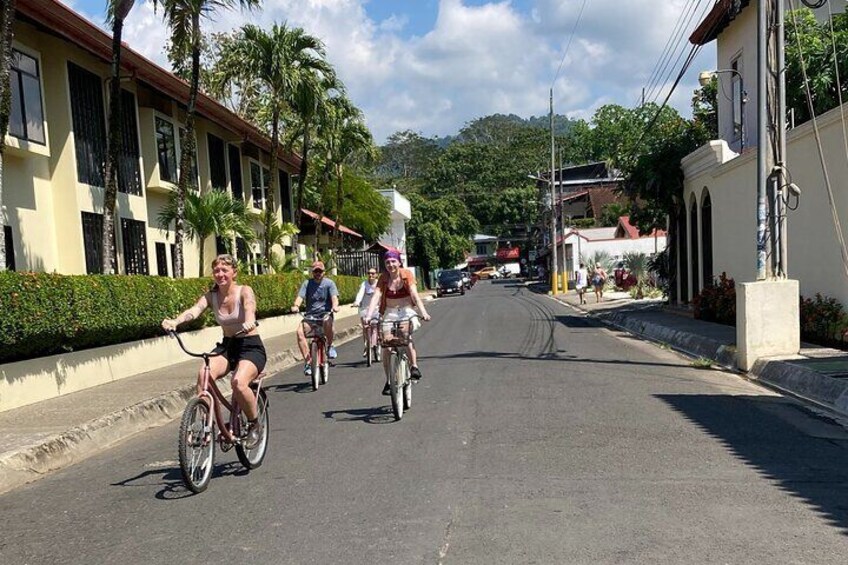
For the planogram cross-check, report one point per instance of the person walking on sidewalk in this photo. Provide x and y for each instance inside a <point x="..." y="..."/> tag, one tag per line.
<point x="234" y="306"/>
<point x="397" y="297"/>
<point x="322" y="297"/>
<point x="362" y="301"/>
<point x="599" y="279"/>
<point x="581" y="281"/>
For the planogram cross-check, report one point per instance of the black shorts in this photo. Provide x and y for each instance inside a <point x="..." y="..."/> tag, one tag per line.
<point x="248" y="348"/>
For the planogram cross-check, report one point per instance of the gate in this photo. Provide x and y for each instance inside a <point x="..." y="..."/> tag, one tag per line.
<point x="357" y="263"/>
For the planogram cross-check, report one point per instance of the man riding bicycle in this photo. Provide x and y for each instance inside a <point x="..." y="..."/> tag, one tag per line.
<point x="395" y="296"/>
<point x="322" y="297"/>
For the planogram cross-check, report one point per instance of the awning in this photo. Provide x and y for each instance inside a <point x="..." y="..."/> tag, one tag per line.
<point x="328" y="222"/>
<point x="382" y="247"/>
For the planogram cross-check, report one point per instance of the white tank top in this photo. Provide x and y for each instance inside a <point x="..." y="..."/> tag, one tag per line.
<point x="234" y="319"/>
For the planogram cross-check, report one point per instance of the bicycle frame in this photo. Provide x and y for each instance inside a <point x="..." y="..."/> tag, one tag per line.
<point x="212" y="395"/>
<point x="316" y="335"/>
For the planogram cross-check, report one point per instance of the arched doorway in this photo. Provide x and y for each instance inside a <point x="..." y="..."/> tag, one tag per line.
<point x="693" y="246"/>
<point x="707" y="238"/>
<point x="683" y="256"/>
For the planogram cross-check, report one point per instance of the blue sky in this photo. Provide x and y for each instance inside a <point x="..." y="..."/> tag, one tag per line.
<point x="433" y="65"/>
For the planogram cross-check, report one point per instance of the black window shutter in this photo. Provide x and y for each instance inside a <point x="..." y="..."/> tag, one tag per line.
<point x="235" y="172"/>
<point x="217" y="162"/>
<point x="10" y="248"/>
<point x="89" y="124"/>
<point x="161" y="260"/>
<point x="135" y="247"/>
<point x="129" y="175"/>
<point x="92" y="236"/>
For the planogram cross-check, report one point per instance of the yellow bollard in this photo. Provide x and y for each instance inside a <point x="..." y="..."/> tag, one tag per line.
<point x="565" y="282"/>
<point x="554" y="283"/>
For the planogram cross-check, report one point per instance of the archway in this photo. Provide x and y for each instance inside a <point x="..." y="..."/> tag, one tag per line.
<point x="707" y="238"/>
<point x="693" y="246"/>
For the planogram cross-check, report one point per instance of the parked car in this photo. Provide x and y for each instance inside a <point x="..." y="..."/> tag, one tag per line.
<point x="467" y="282"/>
<point x="487" y="273"/>
<point x="449" y="282"/>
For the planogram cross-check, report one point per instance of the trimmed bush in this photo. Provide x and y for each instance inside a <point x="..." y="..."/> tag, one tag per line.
<point x="46" y="314"/>
<point x="717" y="302"/>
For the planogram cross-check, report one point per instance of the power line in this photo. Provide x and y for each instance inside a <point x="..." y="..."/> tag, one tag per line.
<point x="567" y="45"/>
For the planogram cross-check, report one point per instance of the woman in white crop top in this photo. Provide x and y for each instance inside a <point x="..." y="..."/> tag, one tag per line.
<point x="234" y="306"/>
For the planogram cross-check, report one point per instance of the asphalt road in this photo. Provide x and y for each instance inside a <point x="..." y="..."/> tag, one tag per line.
<point x="536" y="436"/>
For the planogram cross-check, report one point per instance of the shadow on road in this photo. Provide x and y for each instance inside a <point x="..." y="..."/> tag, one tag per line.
<point x="760" y="432"/>
<point x="375" y="415"/>
<point x="291" y="387"/>
<point x="170" y="479"/>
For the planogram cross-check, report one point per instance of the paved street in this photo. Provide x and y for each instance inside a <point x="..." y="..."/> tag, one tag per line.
<point x="536" y="436"/>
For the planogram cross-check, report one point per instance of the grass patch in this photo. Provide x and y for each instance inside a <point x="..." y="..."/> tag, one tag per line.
<point x="702" y="363"/>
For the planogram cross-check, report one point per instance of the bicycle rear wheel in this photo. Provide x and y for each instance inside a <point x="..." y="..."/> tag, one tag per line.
<point x="196" y="446"/>
<point x="369" y="353"/>
<point x="252" y="458"/>
<point x="314" y="364"/>
<point x="325" y="365"/>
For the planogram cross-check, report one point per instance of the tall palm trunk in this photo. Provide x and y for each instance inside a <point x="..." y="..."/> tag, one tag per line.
<point x="270" y="208"/>
<point x="339" y="201"/>
<point x="6" y="34"/>
<point x="113" y="152"/>
<point x="301" y="179"/>
<point x="188" y="147"/>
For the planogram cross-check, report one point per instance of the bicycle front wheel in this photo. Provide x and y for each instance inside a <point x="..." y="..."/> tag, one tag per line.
<point x="314" y="362"/>
<point x="252" y="458"/>
<point x="398" y="366"/>
<point x="196" y="446"/>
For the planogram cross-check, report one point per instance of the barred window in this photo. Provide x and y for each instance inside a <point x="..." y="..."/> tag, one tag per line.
<point x="217" y="162"/>
<point x="89" y="124"/>
<point x="10" y="248"/>
<point x="26" y="120"/>
<point x="133" y="233"/>
<point x="257" y="187"/>
<point x="166" y="147"/>
<point x="129" y="174"/>
<point x="235" y="172"/>
<point x="241" y="250"/>
<point x="161" y="259"/>
<point x="92" y="237"/>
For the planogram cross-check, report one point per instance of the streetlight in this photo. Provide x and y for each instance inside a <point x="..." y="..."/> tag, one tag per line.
<point x="704" y="79"/>
<point x="554" y="269"/>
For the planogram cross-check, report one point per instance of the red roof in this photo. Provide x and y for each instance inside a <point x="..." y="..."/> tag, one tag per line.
<point x="57" y="19"/>
<point x="722" y="13"/>
<point x="629" y="231"/>
<point x="328" y="222"/>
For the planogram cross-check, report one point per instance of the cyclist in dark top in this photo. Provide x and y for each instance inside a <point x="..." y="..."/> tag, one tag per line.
<point x="321" y="297"/>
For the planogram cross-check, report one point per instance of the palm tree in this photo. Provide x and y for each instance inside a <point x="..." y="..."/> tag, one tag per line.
<point x="183" y="18"/>
<point x="214" y="213"/>
<point x="345" y="137"/>
<point x="7" y="20"/>
<point x="117" y="11"/>
<point x="280" y="61"/>
<point x="276" y="234"/>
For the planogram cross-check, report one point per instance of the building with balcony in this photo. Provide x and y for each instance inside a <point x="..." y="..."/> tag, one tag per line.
<point x="53" y="186"/>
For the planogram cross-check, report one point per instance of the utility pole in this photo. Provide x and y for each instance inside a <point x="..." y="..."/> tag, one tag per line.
<point x="765" y="160"/>
<point x="562" y="224"/>
<point x="554" y="266"/>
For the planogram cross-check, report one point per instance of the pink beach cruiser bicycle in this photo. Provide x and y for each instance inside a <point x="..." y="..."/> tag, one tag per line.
<point x="198" y="435"/>
<point x="319" y="363"/>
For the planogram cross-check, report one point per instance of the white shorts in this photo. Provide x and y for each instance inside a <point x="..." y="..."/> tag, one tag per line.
<point x="401" y="313"/>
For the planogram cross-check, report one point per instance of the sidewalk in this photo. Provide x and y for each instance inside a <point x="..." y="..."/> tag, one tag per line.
<point x="58" y="432"/>
<point x="817" y="374"/>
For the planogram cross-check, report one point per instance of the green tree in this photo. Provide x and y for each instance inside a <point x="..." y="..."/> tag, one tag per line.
<point x="365" y="210"/>
<point x="406" y="158"/>
<point x="117" y="11"/>
<point x="274" y="62"/>
<point x="611" y="212"/>
<point x="275" y="235"/>
<point x="7" y="20"/>
<point x="440" y="231"/>
<point x="183" y="18"/>
<point x="214" y="213"/>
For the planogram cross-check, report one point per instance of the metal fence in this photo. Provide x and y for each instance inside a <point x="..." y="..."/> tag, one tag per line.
<point x="357" y="263"/>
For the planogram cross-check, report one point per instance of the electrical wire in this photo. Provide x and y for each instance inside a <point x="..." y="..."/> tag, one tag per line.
<point x="655" y="71"/>
<point x="568" y="45"/>
<point x="831" y="199"/>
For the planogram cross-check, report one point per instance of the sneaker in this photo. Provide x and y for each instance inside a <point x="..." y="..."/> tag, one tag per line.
<point x="415" y="373"/>
<point x="254" y="434"/>
<point x="387" y="390"/>
<point x="307" y="370"/>
<point x="365" y="351"/>
<point x="332" y="353"/>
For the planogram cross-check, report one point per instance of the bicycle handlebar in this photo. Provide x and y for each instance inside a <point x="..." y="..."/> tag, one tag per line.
<point x="174" y="334"/>
<point x="312" y="318"/>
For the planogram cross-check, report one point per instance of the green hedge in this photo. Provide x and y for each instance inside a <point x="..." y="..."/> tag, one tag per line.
<point x="44" y="314"/>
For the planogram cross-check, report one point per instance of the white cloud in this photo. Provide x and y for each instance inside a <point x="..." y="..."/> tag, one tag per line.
<point x="476" y="60"/>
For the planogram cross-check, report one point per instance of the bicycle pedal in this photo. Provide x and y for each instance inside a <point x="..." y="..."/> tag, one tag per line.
<point x="226" y="446"/>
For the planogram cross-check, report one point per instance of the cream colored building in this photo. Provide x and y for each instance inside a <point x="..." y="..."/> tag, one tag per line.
<point x="718" y="232"/>
<point x="56" y="146"/>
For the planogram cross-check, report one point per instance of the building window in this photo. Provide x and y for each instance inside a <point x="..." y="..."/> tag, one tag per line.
<point x="235" y="172"/>
<point x="133" y="233"/>
<point x="194" y="180"/>
<point x="736" y="85"/>
<point x="241" y="250"/>
<point x="89" y="124"/>
<point x="481" y="249"/>
<point x="92" y="238"/>
<point x="167" y="149"/>
<point x="129" y="174"/>
<point x="258" y="185"/>
<point x="26" y="120"/>
<point x="161" y="259"/>
<point x="10" y="248"/>
<point x="174" y="258"/>
<point x="258" y="266"/>
<point x="221" y="245"/>
<point x="217" y="162"/>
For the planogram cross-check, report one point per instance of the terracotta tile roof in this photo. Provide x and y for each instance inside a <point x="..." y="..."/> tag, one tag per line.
<point x="627" y="230"/>
<point x="328" y="222"/>
<point x="600" y="197"/>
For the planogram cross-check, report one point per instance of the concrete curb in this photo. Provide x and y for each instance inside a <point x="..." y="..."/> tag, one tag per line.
<point x="55" y="452"/>
<point x="803" y="383"/>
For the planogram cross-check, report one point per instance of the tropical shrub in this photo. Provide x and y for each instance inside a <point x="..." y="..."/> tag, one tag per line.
<point x="823" y="320"/>
<point x="717" y="301"/>
<point x="46" y="314"/>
